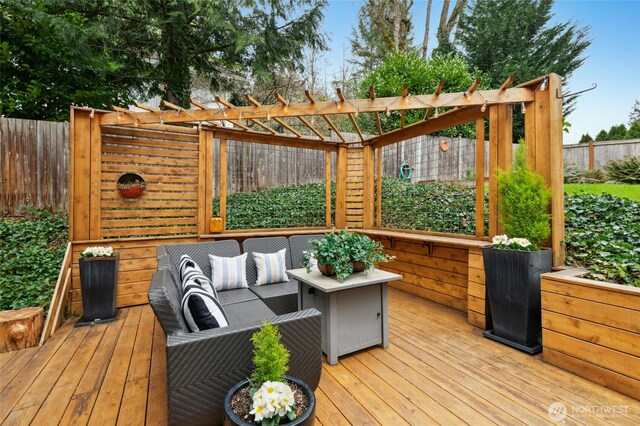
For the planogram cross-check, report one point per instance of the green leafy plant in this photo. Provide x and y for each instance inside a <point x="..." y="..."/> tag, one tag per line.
<point x="602" y="234"/>
<point x="340" y="250"/>
<point x="626" y="170"/>
<point x="270" y="357"/>
<point x="32" y="247"/>
<point x="524" y="201"/>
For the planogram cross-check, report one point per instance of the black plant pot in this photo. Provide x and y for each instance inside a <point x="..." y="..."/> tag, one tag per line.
<point x="513" y="287"/>
<point x="98" y="279"/>
<point x="307" y="418"/>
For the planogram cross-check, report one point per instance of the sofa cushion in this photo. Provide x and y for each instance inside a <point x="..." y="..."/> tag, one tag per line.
<point x="276" y="290"/>
<point x="250" y="311"/>
<point x="230" y="297"/>
<point x="263" y="245"/>
<point x="201" y="310"/>
<point x="200" y="252"/>
<point x="271" y="267"/>
<point x="191" y="272"/>
<point x="228" y="273"/>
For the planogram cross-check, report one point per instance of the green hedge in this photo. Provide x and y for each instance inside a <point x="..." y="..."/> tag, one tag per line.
<point x="603" y="235"/>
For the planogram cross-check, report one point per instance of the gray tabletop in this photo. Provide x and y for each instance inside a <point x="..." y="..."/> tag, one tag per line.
<point x="330" y="284"/>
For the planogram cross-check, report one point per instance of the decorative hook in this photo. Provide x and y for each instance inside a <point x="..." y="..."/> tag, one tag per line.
<point x="563" y="95"/>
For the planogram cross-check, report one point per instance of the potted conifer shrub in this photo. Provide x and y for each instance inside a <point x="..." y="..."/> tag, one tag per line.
<point x="514" y="262"/>
<point x="98" y="279"/>
<point x="269" y="397"/>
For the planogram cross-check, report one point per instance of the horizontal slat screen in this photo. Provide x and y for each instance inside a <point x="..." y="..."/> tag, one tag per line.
<point x="168" y="162"/>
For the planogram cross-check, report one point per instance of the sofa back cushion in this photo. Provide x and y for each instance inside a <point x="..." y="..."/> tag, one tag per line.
<point x="165" y="299"/>
<point x="200" y="252"/>
<point x="299" y="244"/>
<point x="263" y="245"/>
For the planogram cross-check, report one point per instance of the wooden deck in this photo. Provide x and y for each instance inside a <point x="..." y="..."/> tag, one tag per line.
<point x="438" y="369"/>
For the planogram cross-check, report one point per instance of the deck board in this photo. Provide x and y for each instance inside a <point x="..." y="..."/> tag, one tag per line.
<point x="438" y="369"/>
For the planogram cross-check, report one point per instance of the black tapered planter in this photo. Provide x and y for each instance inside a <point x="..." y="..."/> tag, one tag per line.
<point x="308" y="418"/>
<point x="98" y="279"/>
<point x="513" y="288"/>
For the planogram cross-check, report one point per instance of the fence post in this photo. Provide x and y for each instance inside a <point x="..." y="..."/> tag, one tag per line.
<point x="591" y="155"/>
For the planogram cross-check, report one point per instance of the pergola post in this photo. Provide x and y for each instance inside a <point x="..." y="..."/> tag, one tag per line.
<point x="341" y="187"/>
<point x="369" y="186"/>
<point x="543" y="136"/>
<point x="500" y="156"/>
<point x="84" y="180"/>
<point x="205" y="180"/>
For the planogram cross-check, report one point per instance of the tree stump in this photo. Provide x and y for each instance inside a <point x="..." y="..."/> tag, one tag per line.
<point x="20" y="329"/>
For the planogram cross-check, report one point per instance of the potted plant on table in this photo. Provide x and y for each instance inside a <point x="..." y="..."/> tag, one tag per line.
<point x="98" y="279"/>
<point x="343" y="253"/>
<point x="513" y="264"/>
<point x="269" y="397"/>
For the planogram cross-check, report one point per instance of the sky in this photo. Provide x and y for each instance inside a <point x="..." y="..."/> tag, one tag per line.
<point x="613" y="59"/>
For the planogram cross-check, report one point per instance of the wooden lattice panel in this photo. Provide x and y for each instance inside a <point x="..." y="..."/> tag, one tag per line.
<point x="168" y="162"/>
<point x="355" y="188"/>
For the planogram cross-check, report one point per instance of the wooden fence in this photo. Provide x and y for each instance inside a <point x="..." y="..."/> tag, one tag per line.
<point x="34" y="160"/>
<point x="596" y="155"/>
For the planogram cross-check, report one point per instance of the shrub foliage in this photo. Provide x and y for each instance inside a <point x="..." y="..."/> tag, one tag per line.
<point x="31" y="251"/>
<point x="626" y="170"/>
<point x="524" y="201"/>
<point x="602" y="235"/>
<point x="270" y="357"/>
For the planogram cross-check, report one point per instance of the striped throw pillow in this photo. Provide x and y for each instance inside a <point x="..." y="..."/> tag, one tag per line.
<point x="191" y="272"/>
<point x="228" y="273"/>
<point x="201" y="310"/>
<point x="271" y="267"/>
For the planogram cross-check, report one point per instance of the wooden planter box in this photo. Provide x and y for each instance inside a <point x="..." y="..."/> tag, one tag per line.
<point x="592" y="329"/>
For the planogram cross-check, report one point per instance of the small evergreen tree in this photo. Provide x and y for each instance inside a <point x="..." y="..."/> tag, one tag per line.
<point x="602" y="136"/>
<point x="524" y="201"/>
<point x="586" y="138"/>
<point x="617" y="133"/>
<point x="634" y="130"/>
<point x="270" y="357"/>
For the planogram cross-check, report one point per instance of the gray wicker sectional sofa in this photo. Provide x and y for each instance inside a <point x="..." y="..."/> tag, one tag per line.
<point x="203" y="365"/>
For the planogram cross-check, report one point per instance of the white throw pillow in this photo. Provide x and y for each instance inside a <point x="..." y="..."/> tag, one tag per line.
<point x="190" y="271"/>
<point x="229" y="273"/>
<point x="271" y="267"/>
<point x="201" y="310"/>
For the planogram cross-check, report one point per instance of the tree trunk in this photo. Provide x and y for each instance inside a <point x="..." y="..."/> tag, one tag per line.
<point x="443" y="19"/>
<point x="425" y="43"/>
<point x="20" y="329"/>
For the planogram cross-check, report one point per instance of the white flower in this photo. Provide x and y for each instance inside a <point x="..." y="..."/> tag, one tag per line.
<point x="522" y="242"/>
<point x="500" y="239"/>
<point x="97" y="252"/>
<point x="272" y="398"/>
<point x="259" y="411"/>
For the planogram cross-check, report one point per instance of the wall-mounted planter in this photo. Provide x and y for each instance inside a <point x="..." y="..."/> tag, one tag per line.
<point x="592" y="329"/>
<point x="131" y="185"/>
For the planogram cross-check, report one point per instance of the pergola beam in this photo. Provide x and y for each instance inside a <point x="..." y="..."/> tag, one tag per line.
<point x="327" y="119"/>
<point x="436" y="93"/>
<point x="449" y="100"/>
<point x="508" y="82"/>
<point x="352" y="119"/>
<point x="372" y="97"/>
<point x="446" y="120"/>
<point x="405" y="93"/>
<point x="279" y="140"/>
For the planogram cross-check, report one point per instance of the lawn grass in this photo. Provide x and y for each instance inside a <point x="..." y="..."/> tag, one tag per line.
<point x="621" y="190"/>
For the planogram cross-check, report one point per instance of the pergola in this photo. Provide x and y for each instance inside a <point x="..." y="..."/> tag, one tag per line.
<point x="173" y="149"/>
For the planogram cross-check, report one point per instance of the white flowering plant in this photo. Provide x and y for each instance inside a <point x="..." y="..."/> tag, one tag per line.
<point x="271" y="402"/>
<point x="503" y="242"/>
<point x="273" y="399"/>
<point x="97" y="252"/>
